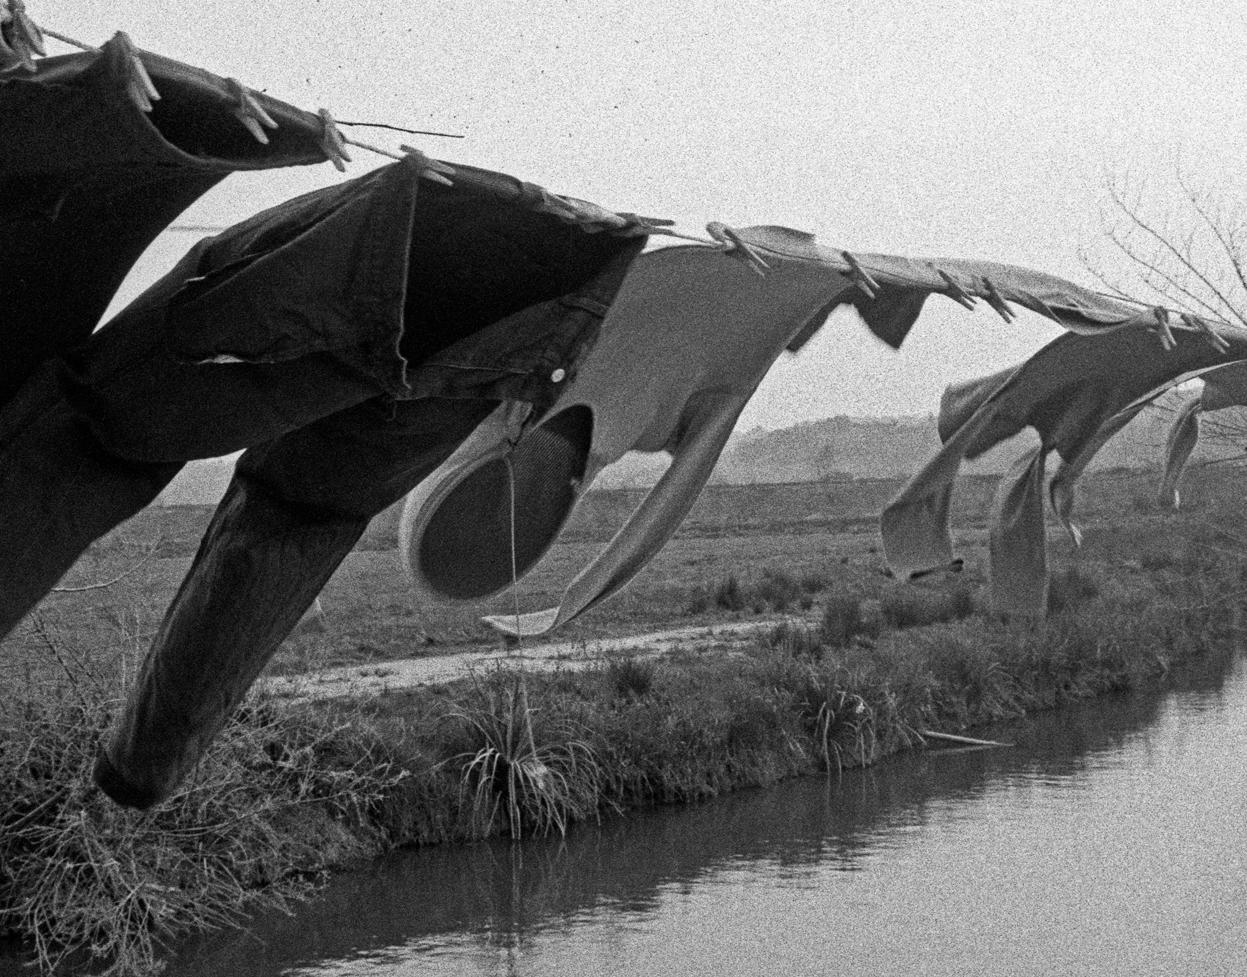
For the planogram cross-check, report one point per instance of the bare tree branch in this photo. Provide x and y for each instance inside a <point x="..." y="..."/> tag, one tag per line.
<point x="1153" y="269"/>
<point x="1184" y="259"/>
<point x="1224" y="236"/>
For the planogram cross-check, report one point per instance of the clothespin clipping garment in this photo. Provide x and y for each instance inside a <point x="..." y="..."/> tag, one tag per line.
<point x="139" y="86"/>
<point x="431" y="169"/>
<point x="20" y="37"/>
<point x="332" y="143"/>
<point x="638" y="225"/>
<point x="1216" y="342"/>
<point x="249" y="111"/>
<point x="1162" y="330"/>
<point x="955" y="291"/>
<point x="997" y="301"/>
<point x="736" y="247"/>
<point x="869" y="287"/>
<point x="588" y="216"/>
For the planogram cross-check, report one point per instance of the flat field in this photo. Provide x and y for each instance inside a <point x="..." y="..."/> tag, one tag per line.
<point x="788" y="547"/>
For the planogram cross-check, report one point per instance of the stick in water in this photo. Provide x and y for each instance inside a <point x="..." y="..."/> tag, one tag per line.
<point x="963" y="740"/>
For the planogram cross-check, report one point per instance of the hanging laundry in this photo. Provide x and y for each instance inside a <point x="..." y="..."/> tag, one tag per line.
<point x="1077" y="392"/>
<point x="1224" y="387"/>
<point x="488" y="343"/>
<point x="88" y="179"/>
<point x="683" y="348"/>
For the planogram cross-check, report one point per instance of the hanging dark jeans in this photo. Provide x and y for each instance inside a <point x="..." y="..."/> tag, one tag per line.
<point x="246" y="345"/>
<point x="297" y="504"/>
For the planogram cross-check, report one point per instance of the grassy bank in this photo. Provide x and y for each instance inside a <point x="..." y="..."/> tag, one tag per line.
<point x="854" y="674"/>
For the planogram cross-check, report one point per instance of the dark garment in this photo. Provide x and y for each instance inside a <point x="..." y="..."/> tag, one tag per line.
<point x="411" y="297"/>
<point x="321" y="335"/>
<point x="293" y="510"/>
<point x="88" y="179"/>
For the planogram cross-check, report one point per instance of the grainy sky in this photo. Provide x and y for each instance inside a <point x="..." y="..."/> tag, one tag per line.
<point x="968" y="128"/>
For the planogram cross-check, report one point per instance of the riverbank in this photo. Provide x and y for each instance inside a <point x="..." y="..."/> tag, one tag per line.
<point x="295" y="788"/>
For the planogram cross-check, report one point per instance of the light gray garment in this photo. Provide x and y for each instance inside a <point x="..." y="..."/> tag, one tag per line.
<point x="1223" y="387"/>
<point x="1077" y="392"/>
<point x="689" y="337"/>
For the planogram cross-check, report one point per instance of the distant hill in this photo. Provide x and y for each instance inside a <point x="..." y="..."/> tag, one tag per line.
<point x="842" y="448"/>
<point x="832" y="449"/>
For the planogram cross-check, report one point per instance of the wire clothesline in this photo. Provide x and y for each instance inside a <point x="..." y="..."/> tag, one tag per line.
<point x="25" y="39"/>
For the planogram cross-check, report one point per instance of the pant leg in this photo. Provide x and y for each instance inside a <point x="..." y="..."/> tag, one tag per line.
<point x="90" y="440"/>
<point x="59" y="491"/>
<point x="295" y="508"/>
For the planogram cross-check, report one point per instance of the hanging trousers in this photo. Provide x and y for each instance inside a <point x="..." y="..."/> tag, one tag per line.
<point x="329" y="453"/>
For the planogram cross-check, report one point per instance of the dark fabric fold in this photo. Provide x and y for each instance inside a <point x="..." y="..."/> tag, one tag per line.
<point x="88" y="180"/>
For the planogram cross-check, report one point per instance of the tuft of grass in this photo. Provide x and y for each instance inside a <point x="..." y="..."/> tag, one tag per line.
<point x="728" y="594"/>
<point x="796" y="640"/>
<point x="842" y="620"/>
<point x="533" y="777"/>
<point x="909" y="607"/>
<point x="631" y="678"/>
<point x="1070" y="588"/>
<point x="813" y="583"/>
<point x="778" y="589"/>
<point x="699" y="603"/>
<point x="838" y="723"/>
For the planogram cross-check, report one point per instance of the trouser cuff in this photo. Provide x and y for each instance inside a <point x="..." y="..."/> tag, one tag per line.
<point x="110" y="780"/>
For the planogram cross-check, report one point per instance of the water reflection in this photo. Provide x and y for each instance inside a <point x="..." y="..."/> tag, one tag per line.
<point x="905" y="866"/>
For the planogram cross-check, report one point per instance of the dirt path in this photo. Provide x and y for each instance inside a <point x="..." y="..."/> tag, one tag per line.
<point x="356" y="680"/>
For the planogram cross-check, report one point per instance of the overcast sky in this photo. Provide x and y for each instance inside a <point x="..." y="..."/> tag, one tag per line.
<point x="967" y="128"/>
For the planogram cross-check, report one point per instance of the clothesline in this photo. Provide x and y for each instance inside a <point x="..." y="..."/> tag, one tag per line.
<point x="26" y="40"/>
<point x="23" y="39"/>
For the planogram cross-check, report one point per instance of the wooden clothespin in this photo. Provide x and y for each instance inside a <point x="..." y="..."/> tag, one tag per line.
<point x="997" y="301"/>
<point x="955" y="291"/>
<point x="331" y="142"/>
<point x="637" y="226"/>
<point x="861" y="278"/>
<point x="736" y="246"/>
<point x="20" y="37"/>
<point x="141" y="88"/>
<point x="587" y="215"/>
<point x="431" y="169"/>
<point x="249" y="111"/>
<point x="1167" y="340"/>
<point x="1215" y="341"/>
<point x="139" y="84"/>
